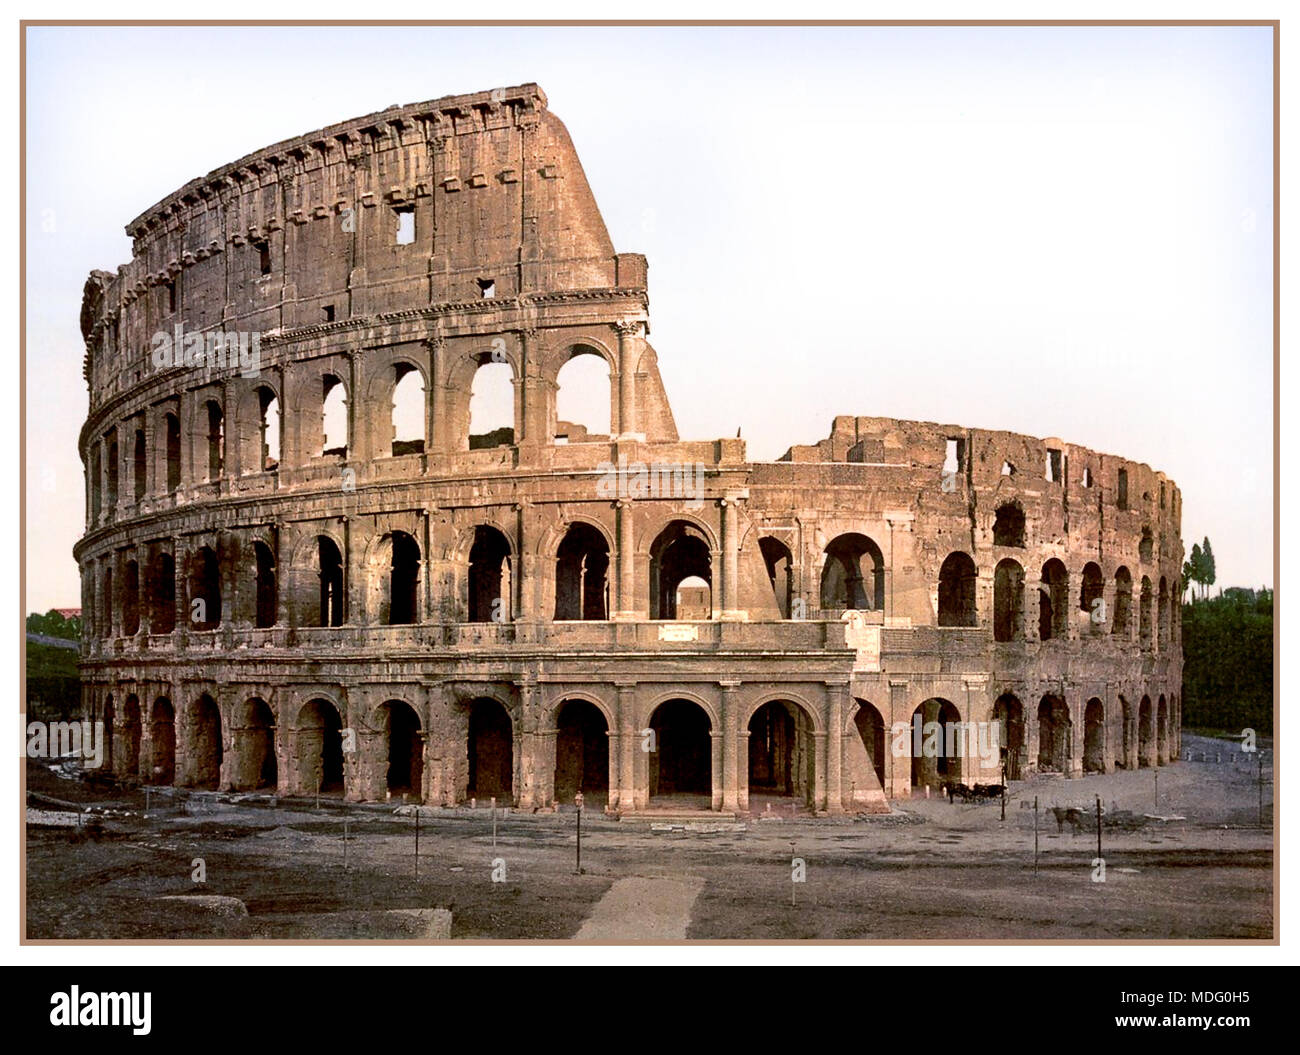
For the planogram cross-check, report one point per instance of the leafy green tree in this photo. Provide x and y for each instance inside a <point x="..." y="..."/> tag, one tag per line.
<point x="1207" y="565"/>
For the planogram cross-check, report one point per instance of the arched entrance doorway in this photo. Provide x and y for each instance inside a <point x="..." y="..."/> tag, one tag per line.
<point x="1009" y="713"/>
<point x="162" y="741"/>
<point x="939" y="760"/>
<point x="405" y="749"/>
<point x="491" y="751"/>
<point x="1053" y="735"/>
<point x="318" y="748"/>
<point x="781" y="757"/>
<point x="1094" y="737"/>
<point x="681" y="759"/>
<point x="205" y="744"/>
<point x="255" y="762"/>
<point x="581" y="753"/>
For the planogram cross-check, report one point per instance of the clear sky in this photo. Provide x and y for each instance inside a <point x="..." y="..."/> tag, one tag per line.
<point x="1061" y="232"/>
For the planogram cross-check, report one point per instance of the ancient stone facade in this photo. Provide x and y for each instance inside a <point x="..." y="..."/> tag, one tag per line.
<point x="538" y="611"/>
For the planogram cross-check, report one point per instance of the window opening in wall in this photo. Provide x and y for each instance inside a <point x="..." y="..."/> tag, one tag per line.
<point x="269" y="430"/>
<point x="1162" y="496"/>
<point x="334" y="418"/>
<point x="1053" y="466"/>
<point x="171" y="295"/>
<point x="408" y="411"/>
<point x="405" y="225"/>
<point x="1121" y="491"/>
<point x="954" y="456"/>
<point x="139" y="462"/>
<point x="216" y="439"/>
<point x="1008" y="469"/>
<point x="329" y="312"/>
<point x="263" y="256"/>
<point x="1087" y="477"/>
<point x="487" y="288"/>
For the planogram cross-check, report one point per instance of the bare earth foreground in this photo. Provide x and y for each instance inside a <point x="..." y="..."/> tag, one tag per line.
<point x="1197" y="867"/>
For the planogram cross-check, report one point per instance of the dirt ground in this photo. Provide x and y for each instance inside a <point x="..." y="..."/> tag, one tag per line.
<point x="1193" y="864"/>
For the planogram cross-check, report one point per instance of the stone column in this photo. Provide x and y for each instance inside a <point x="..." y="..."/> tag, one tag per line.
<point x="627" y="800"/>
<point x="436" y="427"/>
<point x="630" y="346"/>
<point x="531" y="793"/>
<point x="626" y="608"/>
<point x="715" y="745"/>
<point x="730" y="591"/>
<point x="835" y="693"/>
<point x="730" y="721"/>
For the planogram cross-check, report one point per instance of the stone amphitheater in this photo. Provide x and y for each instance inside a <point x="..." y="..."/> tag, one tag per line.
<point x="286" y="587"/>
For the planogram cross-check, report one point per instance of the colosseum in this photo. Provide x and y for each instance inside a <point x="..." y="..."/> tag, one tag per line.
<point x="286" y="588"/>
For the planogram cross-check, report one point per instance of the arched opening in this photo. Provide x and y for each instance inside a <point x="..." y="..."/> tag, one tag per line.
<point x="871" y="728"/>
<point x="1053" y="601"/>
<point x="492" y="406"/>
<point x="216" y="439"/>
<point x="581" y="752"/>
<point x="853" y="576"/>
<point x="129" y="755"/>
<point x="491" y="750"/>
<point x="1123" y="602"/>
<point x="334" y="418"/>
<point x="268" y="431"/>
<point x="1126" y="734"/>
<point x="408" y="411"/>
<point x="172" y="430"/>
<point x="162" y="742"/>
<point x="680" y="552"/>
<point x="204" y="590"/>
<point x="1146" y="734"/>
<point x="329" y="567"/>
<point x="265" y="586"/>
<point x="1162" y="732"/>
<point x="401" y="728"/>
<point x="582" y="402"/>
<point x="1091" y="595"/>
<point x="489" y="577"/>
<point x="1054" y="730"/>
<point x="780" y="571"/>
<point x="694" y="599"/>
<point x="131" y="598"/>
<point x="106" y="602"/>
<point x="255" y="762"/>
<point x="139" y="463"/>
<point x="108" y="717"/>
<point x="781" y="753"/>
<point x="1144" y="613"/>
<point x="205" y="746"/>
<point x="1008" y="601"/>
<point x="1009" y="525"/>
<point x="318" y="748"/>
<point x="957" y="578"/>
<point x="403" y="579"/>
<point x="96" y="482"/>
<point x="681" y="758"/>
<point x="1009" y="713"/>
<point x="113" y="471"/>
<point x="1094" y="737"/>
<point x="582" y="574"/>
<point x="938" y="733"/>
<point x="1162" y="612"/>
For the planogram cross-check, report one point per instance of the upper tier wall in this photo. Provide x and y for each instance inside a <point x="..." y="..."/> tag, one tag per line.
<point x="306" y="231"/>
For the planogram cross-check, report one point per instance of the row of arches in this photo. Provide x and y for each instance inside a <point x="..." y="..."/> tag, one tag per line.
<point x="156" y="463"/>
<point x="1055" y="610"/>
<point x="145" y="747"/>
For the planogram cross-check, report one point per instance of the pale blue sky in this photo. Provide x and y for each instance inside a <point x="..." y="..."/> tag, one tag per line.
<point x="1062" y="232"/>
